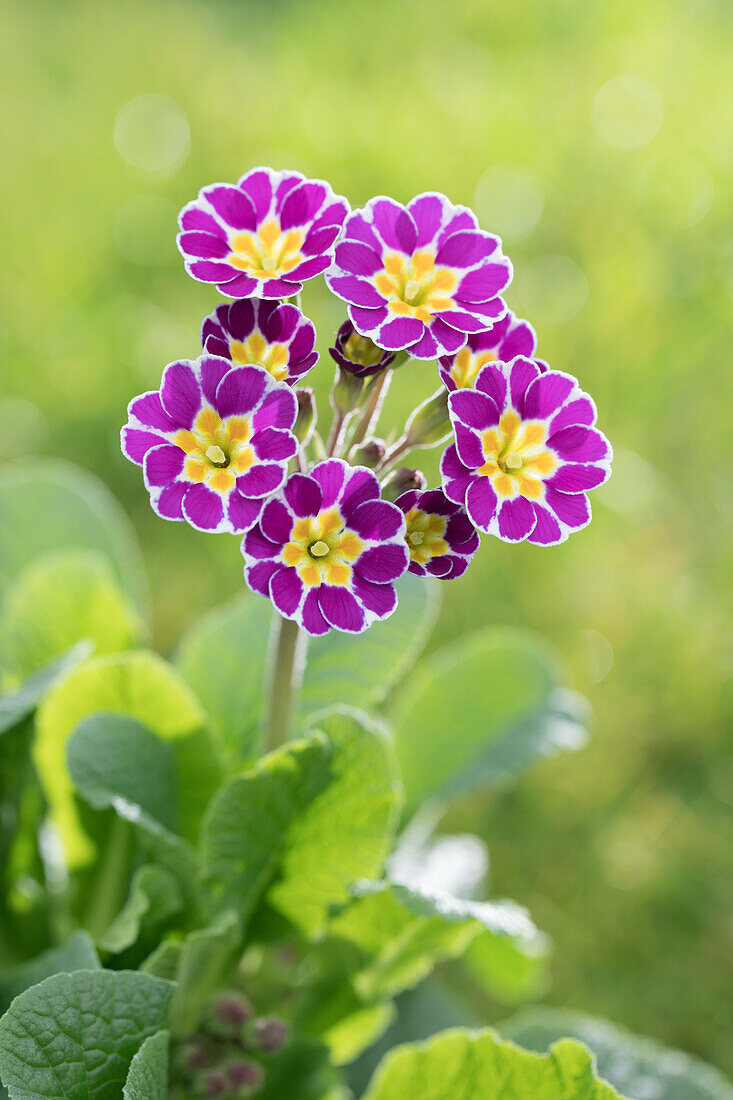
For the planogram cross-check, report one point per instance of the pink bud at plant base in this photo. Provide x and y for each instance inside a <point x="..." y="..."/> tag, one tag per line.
<point x="402" y="481"/>
<point x="231" y="1014"/>
<point x="370" y="453"/>
<point x="272" y="1034"/>
<point x="358" y="354"/>
<point x="216" y="1084"/>
<point x="244" y="1075"/>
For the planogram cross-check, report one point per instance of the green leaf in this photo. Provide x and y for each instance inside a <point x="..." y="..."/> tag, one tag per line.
<point x="636" y="1066"/>
<point x="154" y="897"/>
<point x="74" y="1036"/>
<point x="348" y="1037"/>
<point x="20" y="704"/>
<point x="206" y="959"/>
<point x="77" y="953"/>
<point x="466" y="1065"/>
<point x="304" y="824"/>
<point x="49" y="505"/>
<point x="115" y="762"/>
<point x="139" y="684"/>
<point x="361" y="670"/>
<point x="508" y="971"/>
<point x="402" y="932"/>
<point x="147" y="1078"/>
<point x="164" y="961"/>
<point x="487" y="706"/>
<point x="60" y="599"/>
<point x="223" y="658"/>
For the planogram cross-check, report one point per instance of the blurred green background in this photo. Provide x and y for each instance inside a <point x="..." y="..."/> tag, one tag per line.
<point x="596" y="138"/>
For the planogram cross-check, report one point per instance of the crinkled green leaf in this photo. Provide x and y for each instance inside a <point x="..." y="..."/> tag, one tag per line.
<point x="78" y="953"/>
<point x="401" y="932"/>
<point x="47" y="505"/>
<point x="20" y="704"/>
<point x="139" y="684"/>
<point x="147" y="1078"/>
<point x="60" y="599"/>
<point x="479" y="712"/>
<point x="73" y="1036"/>
<point x="349" y="1036"/>
<point x="223" y="658"/>
<point x="164" y="961"/>
<point x="638" y="1067"/>
<point x="206" y="959"/>
<point x="304" y="824"/>
<point x="360" y="670"/>
<point x="117" y="763"/>
<point x="154" y="897"/>
<point x="464" y="1065"/>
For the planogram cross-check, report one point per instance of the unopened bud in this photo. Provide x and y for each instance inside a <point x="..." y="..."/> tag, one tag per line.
<point x="401" y="481"/>
<point x="272" y="1034"/>
<point x="305" y="421"/>
<point x="347" y="389"/>
<point x="244" y="1075"/>
<point x="215" y="1084"/>
<point x="370" y="453"/>
<point x="193" y="1055"/>
<point x="429" y="423"/>
<point x="231" y="1013"/>
<point x="358" y="354"/>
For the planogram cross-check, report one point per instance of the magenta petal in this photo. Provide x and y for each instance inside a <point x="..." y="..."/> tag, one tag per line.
<point x="546" y="531"/>
<point x="469" y="447"/>
<point x="427" y="347"/>
<point x="571" y="509"/>
<point x="546" y="394"/>
<point x="135" y="443"/>
<point x="466" y="248"/>
<point x="574" y="477"/>
<point x="331" y="476"/>
<point x="193" y="218"/>
<point x="474" y="409"/>
<point x="449" y="339"/>
<point x="341" y="609"/>
<point x="357" y="228"/>
<point x="242" y="512"/>
<point x="240" y="390"/>
<point x="355" y="258"/>
<point x="491" y="380"/>
<point x="232" y="205"/>
<point x="286" y="591"/>
<point x="462" y="321"/>
<point x="382" y="564"/>
<point x="162" y="465"/>
<point x="360" y="485"/>
<point x="579" y="444"/>
<point x="257" y="186"/>
<point x="274" y="445"/>
<point x="203" y="508"/>
<point x="148" y="409"/>
<point x="207" y="271"/>
<point x="378" y="599"/>
<point x="377" y="520"/>
<point x="258" y="576"/>
<point x="256" y="545"/>
<point x="367" y="321"/>
<point x="311" y="617"/>
<point x="180" y="393"/>
<point x="276" y="522"/>
<point x="400" y="333"/>
<point x="516" y="519"/>
<point x="212" y="370"/>
<point x="261" y="480"/>
<point x="241" y="286"/>
<point x="356" y="290"/>
<point x="579" y="411"/>
<point x="278" y="409"/>
<point x="303" y="495"/>
<point x="203" y="246"/>
<point x="427" y="213"/>
<point x="242" y="316"/>
<point x="481" y="503"/>
<point x="394" y="225"/>
<point x="485" y="283"/>
<point x="168" y="504"/>
<point x="522" y="373"/>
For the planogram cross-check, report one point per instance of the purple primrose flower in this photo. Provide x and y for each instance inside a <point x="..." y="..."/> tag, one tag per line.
<point x="509" y="337"/>
<point x="213" y="442"/>
<point x="440" y="537"/>
<point x="358" y="354"/>
<point x="526" y="452"/>
<point x="273" y="335"/>
<point x="263" y="237"/>
<point x="327" y="550"/>
<point x="419" y="277"/>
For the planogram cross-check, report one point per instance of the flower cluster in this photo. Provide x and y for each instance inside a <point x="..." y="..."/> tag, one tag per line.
<point x="331" y="520"/>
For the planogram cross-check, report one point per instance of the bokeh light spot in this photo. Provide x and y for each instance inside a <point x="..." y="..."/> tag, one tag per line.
<point x="509" y="200"/>
<point x="152" y="133"/>
<point x="628" y="111"/>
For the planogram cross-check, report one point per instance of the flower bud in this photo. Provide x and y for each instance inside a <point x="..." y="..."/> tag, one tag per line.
<point x="369" y="454"/>
<point x="358" y="354"/>
<point x="346" y="392"/>
<point x="231" y="1013"/>
<point x="272" y="1034"/>
<point x="401" y="480"/>
<point x="305" y="421"/>
<point x="244" y="1075"/>
<point x="429" y="423"/>
<point x="215" y="1084"/>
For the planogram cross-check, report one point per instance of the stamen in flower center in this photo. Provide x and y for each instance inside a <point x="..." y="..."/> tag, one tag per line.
<point x="216" y="455"/>
<point x="513" y="461"/>
<point x="269" y="263"/>
<point x="415" y="538"/>
<point x="319" y="549"/>
<point x="412" y="289"/>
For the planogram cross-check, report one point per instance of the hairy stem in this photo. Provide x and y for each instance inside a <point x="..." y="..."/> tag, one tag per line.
<point x="373" y="407"/>
<point x="286" y="675"/>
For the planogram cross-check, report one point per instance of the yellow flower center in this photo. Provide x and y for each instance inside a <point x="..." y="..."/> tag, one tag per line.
<point x="467" y="364"/>
<point x="217" y="451"/>
<point x="415" y="287"/>
<point x="517" y="460"/>
<point x="322" y="549"/>
<point x="268" y="254"/>
<point x="425" y="535"/>
<point x="255" y="349"/>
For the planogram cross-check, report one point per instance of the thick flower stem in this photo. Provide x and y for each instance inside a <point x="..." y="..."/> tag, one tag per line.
<point x="286" y="675"/>
<point x="373" y="407"/>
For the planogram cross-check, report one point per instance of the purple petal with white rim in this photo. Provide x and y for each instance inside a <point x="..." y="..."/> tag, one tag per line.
<point x="341" y="609"/>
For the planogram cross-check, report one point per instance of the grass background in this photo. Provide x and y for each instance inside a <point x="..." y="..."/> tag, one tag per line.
<point x="615" y="203"/>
